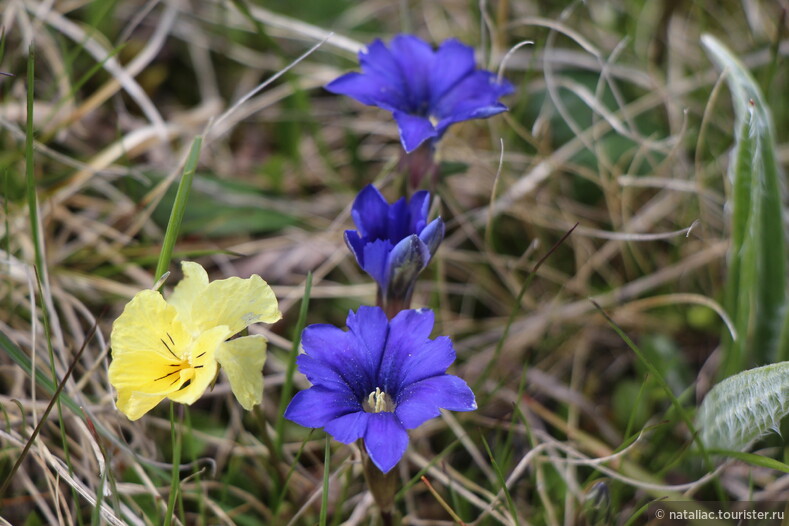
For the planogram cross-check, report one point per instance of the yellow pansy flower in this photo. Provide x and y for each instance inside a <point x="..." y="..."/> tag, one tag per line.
<point x="172" y="349"/>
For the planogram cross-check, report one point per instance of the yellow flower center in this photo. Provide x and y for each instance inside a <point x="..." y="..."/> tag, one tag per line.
<point x="181" y="369"/>
<point x="378" y="402"/>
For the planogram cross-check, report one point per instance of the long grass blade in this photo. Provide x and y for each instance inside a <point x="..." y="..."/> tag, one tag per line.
<point x="502" y="481"/>
<point x="179" y="207"/>
<point x="291" y="469"/>
<point x="30" y="175"/>
<point x="753" y="459"/>
<point x="325" y="493"/>
<point x="441" y="501"/>
<point x="287" y="387"/>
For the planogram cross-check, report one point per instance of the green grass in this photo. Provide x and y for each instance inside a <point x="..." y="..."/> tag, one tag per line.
<point x="209" y="149"/>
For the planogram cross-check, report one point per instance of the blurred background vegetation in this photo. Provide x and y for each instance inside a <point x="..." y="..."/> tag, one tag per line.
<point x="620" y="123"/>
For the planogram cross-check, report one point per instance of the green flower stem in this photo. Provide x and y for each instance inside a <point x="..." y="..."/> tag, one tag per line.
<point x="418" y="166"/>
<point x="383" y="486"/>
<point x="391" y="306"/>
<point x="175" y="479"/>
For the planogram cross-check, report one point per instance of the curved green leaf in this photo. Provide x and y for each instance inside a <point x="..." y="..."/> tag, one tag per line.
<point x="743" y="407"/>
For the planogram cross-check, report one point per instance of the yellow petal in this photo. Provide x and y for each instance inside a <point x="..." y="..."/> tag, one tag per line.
<point x="147" y="342"/>
<point x="155" y="357"/>
<point x="144" y="372"/>
<point x="142" y="379"/>
<point x="235" y="302"/>
<point x="203" y="361"/>
<point x="148" y="324"/>
<point x="135" y="404"/>
<point x="242" y="360"/>
<point x="189" y="290"/>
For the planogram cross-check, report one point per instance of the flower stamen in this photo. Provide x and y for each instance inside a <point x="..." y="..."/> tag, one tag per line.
<point x="183" y="367"/>
<point x="378" y="402"/>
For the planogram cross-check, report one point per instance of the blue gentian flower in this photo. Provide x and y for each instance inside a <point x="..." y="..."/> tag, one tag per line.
<point x="377" y="380"/>
<point x="393" y="243"/>
<point x="426" y="90"/>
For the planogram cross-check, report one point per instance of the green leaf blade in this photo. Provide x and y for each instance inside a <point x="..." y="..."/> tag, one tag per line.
<point x="757" y="256"/>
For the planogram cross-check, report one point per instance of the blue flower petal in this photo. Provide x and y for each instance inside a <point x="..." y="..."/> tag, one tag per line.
<point x="432" y="235"/>
<point x="368" y="89"/>
<point x="423" y="360"/>
<point x="348" y="428"/>
<point x="397" y="220"/>
<point x="370" y="327"/>
<point x="454" y="61"/>
<point x="472" y="112"/>
<point x="418" y="207"/>
<point x="504" y="87"/>
<point x="337" y="350"/>
<point x="426" y="90"/>
<point x="369" y="213"/>
<point x="469" y="110"/>
<point x="322" y="373"/>
<point x="376" y="260"/>
<point x="416" y="58"/>
<point x="377" y="61"/>
<point x="321" y="341"/>
<point x="385" y="440"/>
<point x="409" y="332"/>
<point x="477" y="93"/>
<point x="355" y="245"/>
<point x="319" y="405"/>
<point x="414" y="130"/>
<point x="413" y="324"/>
<point x="421" y="401"/>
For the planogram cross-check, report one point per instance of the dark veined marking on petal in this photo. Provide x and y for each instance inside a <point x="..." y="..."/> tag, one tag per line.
<point x="200" y="356"/>
<point x="171" y="338"/>
<point x="168" y="374"/>
<point x="197" y="367"/>
<point x="168" y="347"/>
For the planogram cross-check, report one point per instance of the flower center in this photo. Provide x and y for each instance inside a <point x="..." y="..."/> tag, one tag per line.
<point x="181" y="368"/>
<point x="378" y="402"/>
